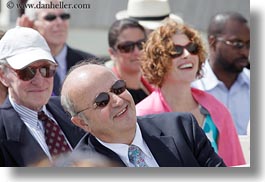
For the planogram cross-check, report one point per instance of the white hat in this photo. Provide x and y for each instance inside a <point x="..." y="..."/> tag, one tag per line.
<point x="21" y="46"/>
<point x="149" y="13"/>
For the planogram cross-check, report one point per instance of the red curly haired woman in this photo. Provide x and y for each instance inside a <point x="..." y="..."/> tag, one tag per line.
<point x="172" y="58"/>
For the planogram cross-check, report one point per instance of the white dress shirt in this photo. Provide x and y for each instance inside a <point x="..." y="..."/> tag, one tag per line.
<point x="122" y="149"/>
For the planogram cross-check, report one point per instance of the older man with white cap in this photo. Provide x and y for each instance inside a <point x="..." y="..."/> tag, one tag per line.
<point x="33" y="126"/>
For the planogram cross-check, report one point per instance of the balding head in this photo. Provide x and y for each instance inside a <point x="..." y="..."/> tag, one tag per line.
<point x="99" y="103"/>
<point x="218" y="22"/>
<point x="81" y="78"/>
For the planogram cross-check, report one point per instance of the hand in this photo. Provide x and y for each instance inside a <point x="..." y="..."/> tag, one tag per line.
<point x="24" y="21"/>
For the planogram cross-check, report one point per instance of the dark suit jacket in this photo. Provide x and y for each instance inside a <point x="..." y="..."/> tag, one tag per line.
<point x="73" y="56"/>
<point x="175" y="140"/>
<point x="18" y="147"/>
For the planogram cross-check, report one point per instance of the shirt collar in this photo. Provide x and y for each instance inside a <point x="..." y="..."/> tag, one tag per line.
<point x="212" y="81"/>
<point x="27" y="115"/>
<point x="61" y="55"/>
<point x="209" y="77"/>
<point x="122" y="149"/>
<point x="244" y="77"/>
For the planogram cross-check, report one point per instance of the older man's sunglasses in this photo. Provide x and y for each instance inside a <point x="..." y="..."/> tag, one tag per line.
<point x="193" y="48"/>
<point x="128" y="46"/>
<point x="103" y="98"/>
<point x="29" y="72"/>
<point x="51" y="17"/>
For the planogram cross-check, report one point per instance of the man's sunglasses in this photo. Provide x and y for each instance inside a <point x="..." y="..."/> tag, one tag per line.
<point x="103" y="98"/>
<point x="128" y="46"/>
<point x="29" y="72"/>
<point x="238" y="44"/>
<point x="193" y="48"/>
<point x="51" y="17"/>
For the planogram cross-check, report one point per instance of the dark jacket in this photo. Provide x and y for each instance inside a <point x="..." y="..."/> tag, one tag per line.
<point x="18" y="147"/>
<point x="73" y="56"/>
<point x="175" y="140"/>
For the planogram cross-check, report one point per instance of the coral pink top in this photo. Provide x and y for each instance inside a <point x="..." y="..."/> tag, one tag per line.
<point x="229" y="147"/>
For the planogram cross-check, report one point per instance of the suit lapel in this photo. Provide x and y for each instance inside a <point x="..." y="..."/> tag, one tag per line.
<point x="72" y="132"/>
<point x="72" y="58"/>
<point x="106" y="152"/>
<point x="163" y="149"/>
<point x="27" y="149"/>
<point x="56" y="84"/>
<point x="30" y="149"/>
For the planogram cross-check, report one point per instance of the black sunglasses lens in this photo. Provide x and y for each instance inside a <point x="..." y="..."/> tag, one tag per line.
<point x="139" y="45"/>
<point x="50" y="17"/>
<point x="26" y="74"/>
<point x="178" y="51"/>
<point x="126" y="47"/>
<point x="118" y="87"/>
<point x="65" y="16"/>
<point x="47" y="71"/>
<point x="192" y="48"/>
<point x="102" y="99"/>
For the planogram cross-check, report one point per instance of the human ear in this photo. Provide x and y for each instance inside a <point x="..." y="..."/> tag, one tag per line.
<point x="3" y="77"/>
<point x="112" y="53"/>
<point x="211" y="40"/>
<point x="80" y="123"/>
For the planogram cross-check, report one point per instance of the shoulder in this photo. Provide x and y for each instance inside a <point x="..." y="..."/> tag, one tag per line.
<point x="76" y="52"/>
<point x="55" y="100"/>
<point x="246" y="75"/>
<point x="170" y="121"/>
<point x="204" y="97"/>
<point x="7" y="113"/>
<point x="208" y="101"/>
<point x="246" y="72"/>
<point x="54" y="105"/>
<point x="181" y="127"/>
<point x="152" y="104"/>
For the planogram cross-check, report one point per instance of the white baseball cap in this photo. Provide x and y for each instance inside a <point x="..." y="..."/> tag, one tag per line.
<point x="149" y="13"/>
<point x="21" y="46"/>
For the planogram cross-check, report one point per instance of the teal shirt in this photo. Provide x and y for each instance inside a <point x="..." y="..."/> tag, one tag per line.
<point x="210" y="129"/>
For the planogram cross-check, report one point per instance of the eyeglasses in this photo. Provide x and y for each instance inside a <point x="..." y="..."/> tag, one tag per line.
<point x="128" y="46"/>
<point x="103" y="98"/>
<point x="51" y="17"/>
<point x="238" y="44"/>
<point x="29" y="72"/>
<point x="193" y="48"/>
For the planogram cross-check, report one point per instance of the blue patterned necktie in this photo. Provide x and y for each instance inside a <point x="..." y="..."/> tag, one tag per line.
<point x="136" y="156"/>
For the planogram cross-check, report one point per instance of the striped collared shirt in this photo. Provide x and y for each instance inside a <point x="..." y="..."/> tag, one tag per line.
<point x="35" y="126"/>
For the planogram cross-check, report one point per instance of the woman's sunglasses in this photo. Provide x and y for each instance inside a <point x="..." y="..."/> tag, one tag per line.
<point x="51" y="17"/>
<point x="103" y="98"/>
<point x="193" y="48"/>
<point x="128" y="46"/>
<point x="29" y="72"/>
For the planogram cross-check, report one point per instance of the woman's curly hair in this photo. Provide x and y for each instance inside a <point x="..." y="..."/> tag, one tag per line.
<point x="156" y="59"/>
